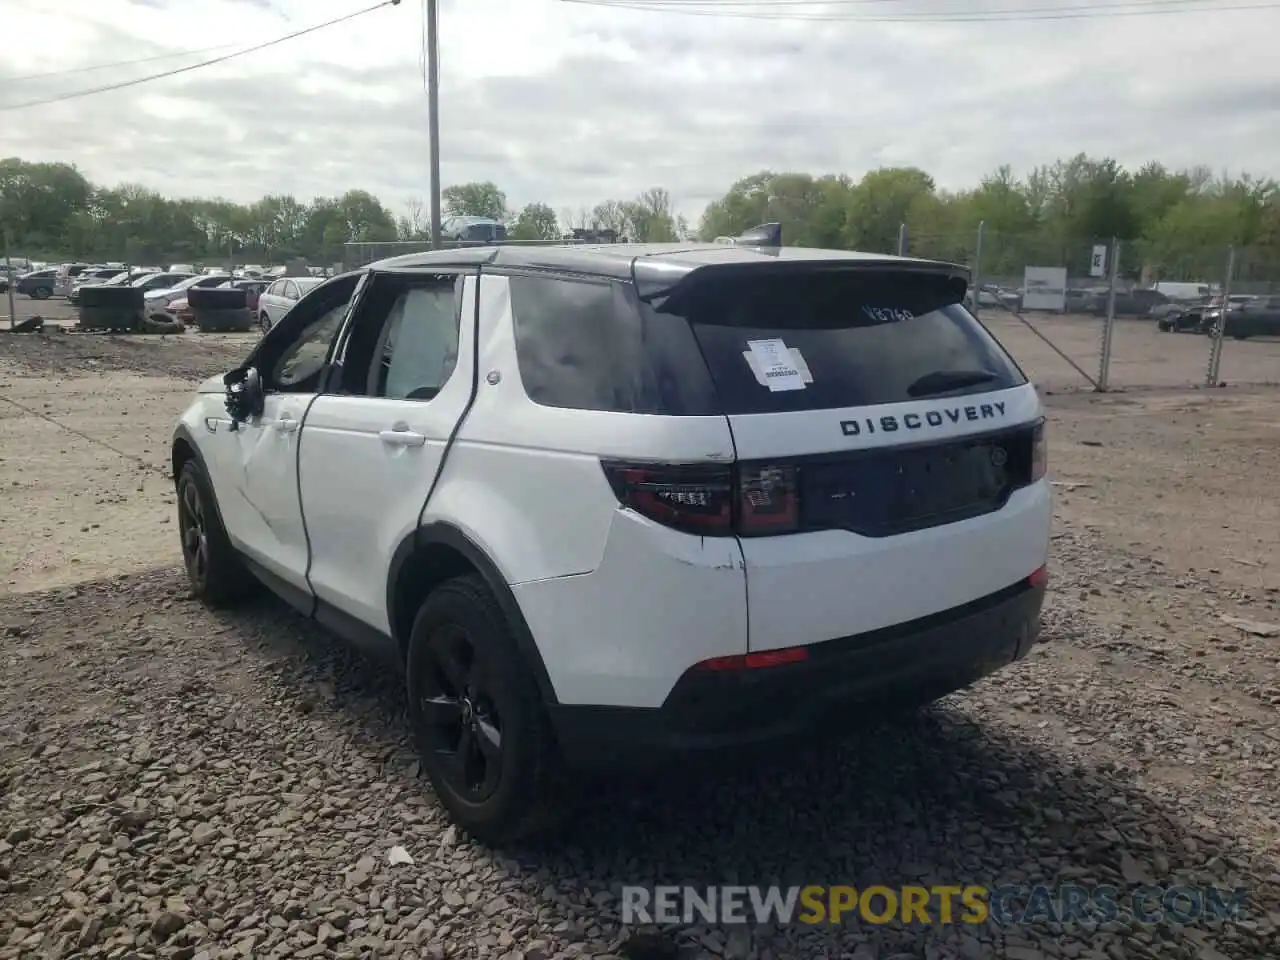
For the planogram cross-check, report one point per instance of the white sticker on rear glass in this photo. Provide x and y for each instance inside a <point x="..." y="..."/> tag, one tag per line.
<point x="758" y="372"/>
<point x="774" y="365"/>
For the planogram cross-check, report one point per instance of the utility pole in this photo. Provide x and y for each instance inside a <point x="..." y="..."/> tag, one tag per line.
<point x="433" y="117"/>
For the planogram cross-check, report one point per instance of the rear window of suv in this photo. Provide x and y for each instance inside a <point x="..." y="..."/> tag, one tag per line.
<point x="856" y="338"/>
<point x="861" y="340"/>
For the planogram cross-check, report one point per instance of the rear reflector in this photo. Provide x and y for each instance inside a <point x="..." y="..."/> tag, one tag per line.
<point x="1040" y="578"/>
<point x="756" y="661"/>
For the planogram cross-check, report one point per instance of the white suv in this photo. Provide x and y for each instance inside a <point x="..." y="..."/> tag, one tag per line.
<point x="623" y="505"/>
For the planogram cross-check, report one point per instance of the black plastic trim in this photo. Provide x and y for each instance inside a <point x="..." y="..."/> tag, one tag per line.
<point x="357" y="633"/>
<point x="296" y="597"/>
<point x="446" y="534"/>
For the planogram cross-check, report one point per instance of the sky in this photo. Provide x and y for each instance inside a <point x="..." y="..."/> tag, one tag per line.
<point x="572" y="103"/>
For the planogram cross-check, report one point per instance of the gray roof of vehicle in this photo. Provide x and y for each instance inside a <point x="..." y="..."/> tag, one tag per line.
<point x="663" y="263"/>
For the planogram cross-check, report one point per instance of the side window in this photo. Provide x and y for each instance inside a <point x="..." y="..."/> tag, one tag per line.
<point x="587" y="345"/>
<point x="420" y="344"/>
<point x="290" y="290"/>
<point x="299" y="369"/>
<point x="274" y="289"/>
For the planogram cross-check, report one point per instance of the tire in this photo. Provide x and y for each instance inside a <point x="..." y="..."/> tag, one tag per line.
<point x="217" y="576"/>
<point x="264" y="322"/>
<point x="41" y="293"/>
<point x="468" y="687"/>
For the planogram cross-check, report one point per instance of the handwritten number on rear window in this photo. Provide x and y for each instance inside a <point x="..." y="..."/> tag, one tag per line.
<point x="887" y="314"/>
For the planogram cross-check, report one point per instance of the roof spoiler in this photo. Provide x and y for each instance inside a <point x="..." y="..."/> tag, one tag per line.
<point x="767" y="235"/>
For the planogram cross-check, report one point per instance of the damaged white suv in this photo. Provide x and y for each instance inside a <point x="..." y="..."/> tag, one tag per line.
<point x="629" y="504"/>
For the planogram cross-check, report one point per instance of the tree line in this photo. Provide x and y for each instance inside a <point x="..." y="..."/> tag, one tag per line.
<point x="1174" y="224"/>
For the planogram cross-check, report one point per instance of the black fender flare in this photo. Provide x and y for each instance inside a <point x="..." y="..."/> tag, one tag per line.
<point x="445" y="534"/>
<point x="181" y="432"/>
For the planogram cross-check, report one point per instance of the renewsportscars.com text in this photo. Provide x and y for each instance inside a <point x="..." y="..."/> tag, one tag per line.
<point x="971" y="904"/>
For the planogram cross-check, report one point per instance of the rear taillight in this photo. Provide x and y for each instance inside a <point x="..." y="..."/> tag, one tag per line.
<point x="1039" y="578"/>
<point x="692" y="498"/>
<point x="1039" y="453"/>
<point x="768" y="500"/>
<point x="711" y="500"/>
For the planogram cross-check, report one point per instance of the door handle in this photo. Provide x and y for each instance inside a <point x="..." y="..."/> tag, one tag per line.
<point x="399" y="436"/>
<point x="286" y="424"/>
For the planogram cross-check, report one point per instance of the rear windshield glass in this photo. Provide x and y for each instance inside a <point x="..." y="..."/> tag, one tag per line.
<point x="823" y="340"/>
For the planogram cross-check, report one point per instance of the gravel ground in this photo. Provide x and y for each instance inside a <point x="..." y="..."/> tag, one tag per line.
<point x="176" y="783"/>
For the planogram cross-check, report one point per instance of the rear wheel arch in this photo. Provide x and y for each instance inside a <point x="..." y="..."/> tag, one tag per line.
<point x="436" y="553"/>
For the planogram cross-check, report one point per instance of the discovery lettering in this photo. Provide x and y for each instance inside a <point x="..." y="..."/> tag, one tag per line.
<point x="916" y="421"/>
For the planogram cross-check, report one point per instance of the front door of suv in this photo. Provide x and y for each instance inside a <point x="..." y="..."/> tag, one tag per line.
<point x="256" y="468"/>
<point x="373" y="444"/>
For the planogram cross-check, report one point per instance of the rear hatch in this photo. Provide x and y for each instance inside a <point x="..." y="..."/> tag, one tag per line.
<point x="888" y="449"/>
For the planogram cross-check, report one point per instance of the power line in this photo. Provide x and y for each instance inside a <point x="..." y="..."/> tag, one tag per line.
<point x="120" y="63"/>
<point x="743" y="10"/>
<point x="76" y="94"/>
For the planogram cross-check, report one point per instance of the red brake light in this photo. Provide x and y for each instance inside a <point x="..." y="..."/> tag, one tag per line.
<point x="1039" y="454"/>
<point x="756" y="661"/>
<point x="709" y="499"/>
<point x="692" y="498"/>
<point x="1039" y="578"/>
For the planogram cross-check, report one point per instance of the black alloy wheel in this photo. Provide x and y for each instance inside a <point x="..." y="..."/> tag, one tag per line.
<point x="193" y="525"/>
<point x="460" y="719"/>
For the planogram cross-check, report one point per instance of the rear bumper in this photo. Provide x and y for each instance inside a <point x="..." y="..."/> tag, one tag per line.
<point x="849" y="679"/>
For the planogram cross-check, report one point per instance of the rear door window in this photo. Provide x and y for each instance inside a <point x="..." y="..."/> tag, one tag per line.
<point x="838" y="339"/>
<point x="586" y="344"/>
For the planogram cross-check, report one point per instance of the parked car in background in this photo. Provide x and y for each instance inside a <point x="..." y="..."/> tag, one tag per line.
<point x="252" y="288"/>
<point x="1079" y="299"/>
<point x="1242" y="311"/>
<point x="157" y="299"/>
<point x="158" y="281"/>
<point x="279" y="298"/>
<point x="1168" y="309"/>
<point x="92" y="278"/>
<point x="473" y="230"/>
<point x="66" y="277"/>
<point x="1257" y="317"/>
<point x="1129" y="303"/>
<point x="38" y="285"/>
<point x="1188" y="292"/>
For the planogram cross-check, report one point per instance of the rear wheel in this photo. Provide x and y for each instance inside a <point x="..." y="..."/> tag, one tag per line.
<point x="264" y="322"/>
<point x="41" y="293"/>
<point x="484" y="737"/>
<point x="215" y="572"/>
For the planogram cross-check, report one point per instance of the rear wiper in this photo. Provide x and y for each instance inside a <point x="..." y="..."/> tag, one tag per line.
<point x="940" y="381"/>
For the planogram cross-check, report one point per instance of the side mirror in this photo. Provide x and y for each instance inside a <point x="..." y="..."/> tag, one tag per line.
<point x="244" y="395"/>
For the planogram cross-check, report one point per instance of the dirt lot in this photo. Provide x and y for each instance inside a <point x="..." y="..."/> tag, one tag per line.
<point x="182" y="784"/>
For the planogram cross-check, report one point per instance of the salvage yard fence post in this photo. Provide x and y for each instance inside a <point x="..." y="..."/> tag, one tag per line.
<point x="8" y="281"/>
<point x="1211" y="378"/>
<point x="976" y="272"/>
<point x="1109" y="325"/>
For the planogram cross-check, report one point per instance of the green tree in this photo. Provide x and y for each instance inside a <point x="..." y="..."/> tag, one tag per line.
<point x="475" y="200"/>
<point x="536" y="221"/>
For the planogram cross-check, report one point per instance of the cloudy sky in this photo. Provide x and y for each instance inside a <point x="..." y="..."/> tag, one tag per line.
<point x="571" y="103"/>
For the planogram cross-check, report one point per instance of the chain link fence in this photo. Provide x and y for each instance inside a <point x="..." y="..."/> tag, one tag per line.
<point x="1101" y="314"/>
